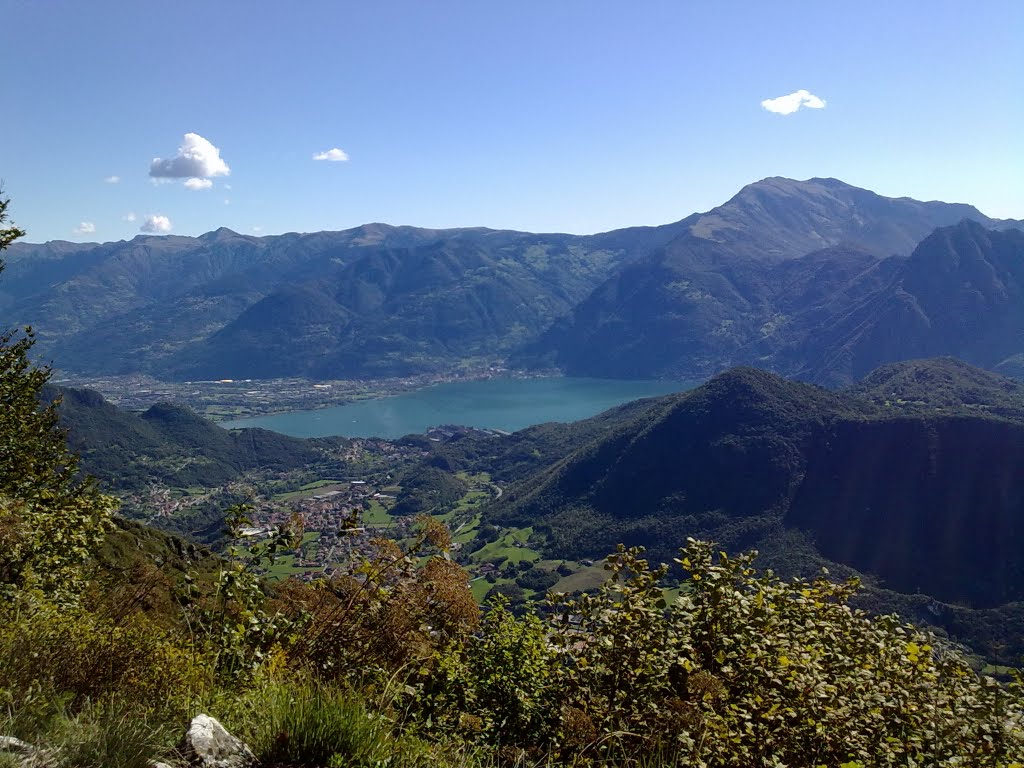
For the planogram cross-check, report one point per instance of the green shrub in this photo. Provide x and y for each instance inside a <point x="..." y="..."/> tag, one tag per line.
<point x="77" y="656"/>
<point x="747" y="669"/>
<point x="304" y="723"/>
<point x="497" y="688"/>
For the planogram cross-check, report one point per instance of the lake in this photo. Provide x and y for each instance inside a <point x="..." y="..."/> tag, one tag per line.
<point x="507" y="404"/>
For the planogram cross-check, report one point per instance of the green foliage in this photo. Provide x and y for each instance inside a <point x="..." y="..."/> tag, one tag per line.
<point x="787" y="671"/>
<point x="943" y="385"/>
<point x="236" y="623"/>
<point x="537" y="579"/>
<point x="428" y="489"/>
<point x="308" y="724"/>
<point x="742" y="669"/>
<point x="51" y="521"/>
<point x="7" y="234"/>
<point x="499" y="685"/>
<point x="54" y="657"/>
<point x="170" y="444"/>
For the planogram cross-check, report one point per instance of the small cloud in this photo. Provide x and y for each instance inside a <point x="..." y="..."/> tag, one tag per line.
<point x="112" y="179"/>
<point x="787" y="105"/>
<point x="227" y="187"/>
<point x="130" y="216"/>
<point x="257" y="229"/>
<point x="197" y="158"/>
<point x="85" y="228"/>
<point x="227" y="201"/>
<point x="156" y="224"/>
<point x="332" y="155"/>
<point x="195" y="183"/>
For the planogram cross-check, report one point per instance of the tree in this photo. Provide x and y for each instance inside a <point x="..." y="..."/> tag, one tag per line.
<point x="10" y="234"/>
<point x="51" y="519"/>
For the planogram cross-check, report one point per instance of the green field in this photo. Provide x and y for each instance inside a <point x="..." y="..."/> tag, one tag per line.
<point x="377" y="516"/>
<point x="287" y="565"/>
<point x="511" y="546"/>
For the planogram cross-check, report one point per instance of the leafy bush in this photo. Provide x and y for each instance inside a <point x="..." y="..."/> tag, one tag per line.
<point x="74" y="656"/>
<point x="499" y="685"/>
<point x="742" y="669"/>
<point x="392" y="608"/>
<point x="748" y="669"/>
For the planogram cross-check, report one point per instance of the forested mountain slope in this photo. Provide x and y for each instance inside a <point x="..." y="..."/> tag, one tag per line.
<point x="170" y="305"/>
<point x="780" y="276"/>
<point x="171" y="445"/>
<point x="750" y="459"/>
<point x="694" y="307"/>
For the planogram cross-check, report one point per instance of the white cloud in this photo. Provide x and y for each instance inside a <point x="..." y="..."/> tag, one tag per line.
<point x="130" y="216"/>
<point x="332" y="155"/>
<point x="227" y="186"/>
<point x="787" y="105"/>
<point x="112" y="179"/>
<point x="156" y="223"/>
<point x="257" y="229"/>
<point x="85" y="228"/>
<point x="195" y="183"/>
<point x="197" y="158"/>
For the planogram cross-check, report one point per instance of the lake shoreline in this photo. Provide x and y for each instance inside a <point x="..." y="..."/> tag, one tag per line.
<point x="506" y="403"/>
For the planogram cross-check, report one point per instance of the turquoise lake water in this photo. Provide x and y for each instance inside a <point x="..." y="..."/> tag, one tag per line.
<point x="508" y="404"/>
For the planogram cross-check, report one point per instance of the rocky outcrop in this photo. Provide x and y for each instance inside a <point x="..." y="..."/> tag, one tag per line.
<point x="24" y="754"/>
<point x="207" y="744"/>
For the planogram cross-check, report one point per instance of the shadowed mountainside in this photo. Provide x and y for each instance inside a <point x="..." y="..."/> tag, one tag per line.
<point x="785" y="275"/>
<point x="693" y="308"/>
<point x="749" y="459"/>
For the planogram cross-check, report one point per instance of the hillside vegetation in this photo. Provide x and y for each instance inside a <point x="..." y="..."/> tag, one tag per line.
<point x="169" y="444"/>
<point x="389" y="662"/>
<point x="920" y="465"/>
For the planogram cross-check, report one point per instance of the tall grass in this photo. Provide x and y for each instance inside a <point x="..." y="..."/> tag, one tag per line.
<point x="97" y="736"/>
<point x="303" y="723"/>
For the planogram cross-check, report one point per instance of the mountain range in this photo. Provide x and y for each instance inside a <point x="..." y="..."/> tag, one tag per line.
<point x="814" y="279"/>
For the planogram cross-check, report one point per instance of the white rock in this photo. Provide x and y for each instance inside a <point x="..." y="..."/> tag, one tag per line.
<point x="27" y="755"/>
<point x="208" y="745"/>
<point x="17" y="746"/>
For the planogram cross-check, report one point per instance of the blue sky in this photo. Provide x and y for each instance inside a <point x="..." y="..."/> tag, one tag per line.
<point x="561" y="115"/>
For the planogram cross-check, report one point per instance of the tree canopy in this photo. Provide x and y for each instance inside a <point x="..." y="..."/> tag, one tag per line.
<point x="51" y="519"/>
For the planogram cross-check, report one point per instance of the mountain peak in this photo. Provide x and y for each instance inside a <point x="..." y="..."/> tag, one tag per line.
<point x="776" y="219"/>
<point x="221" y="233"/>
